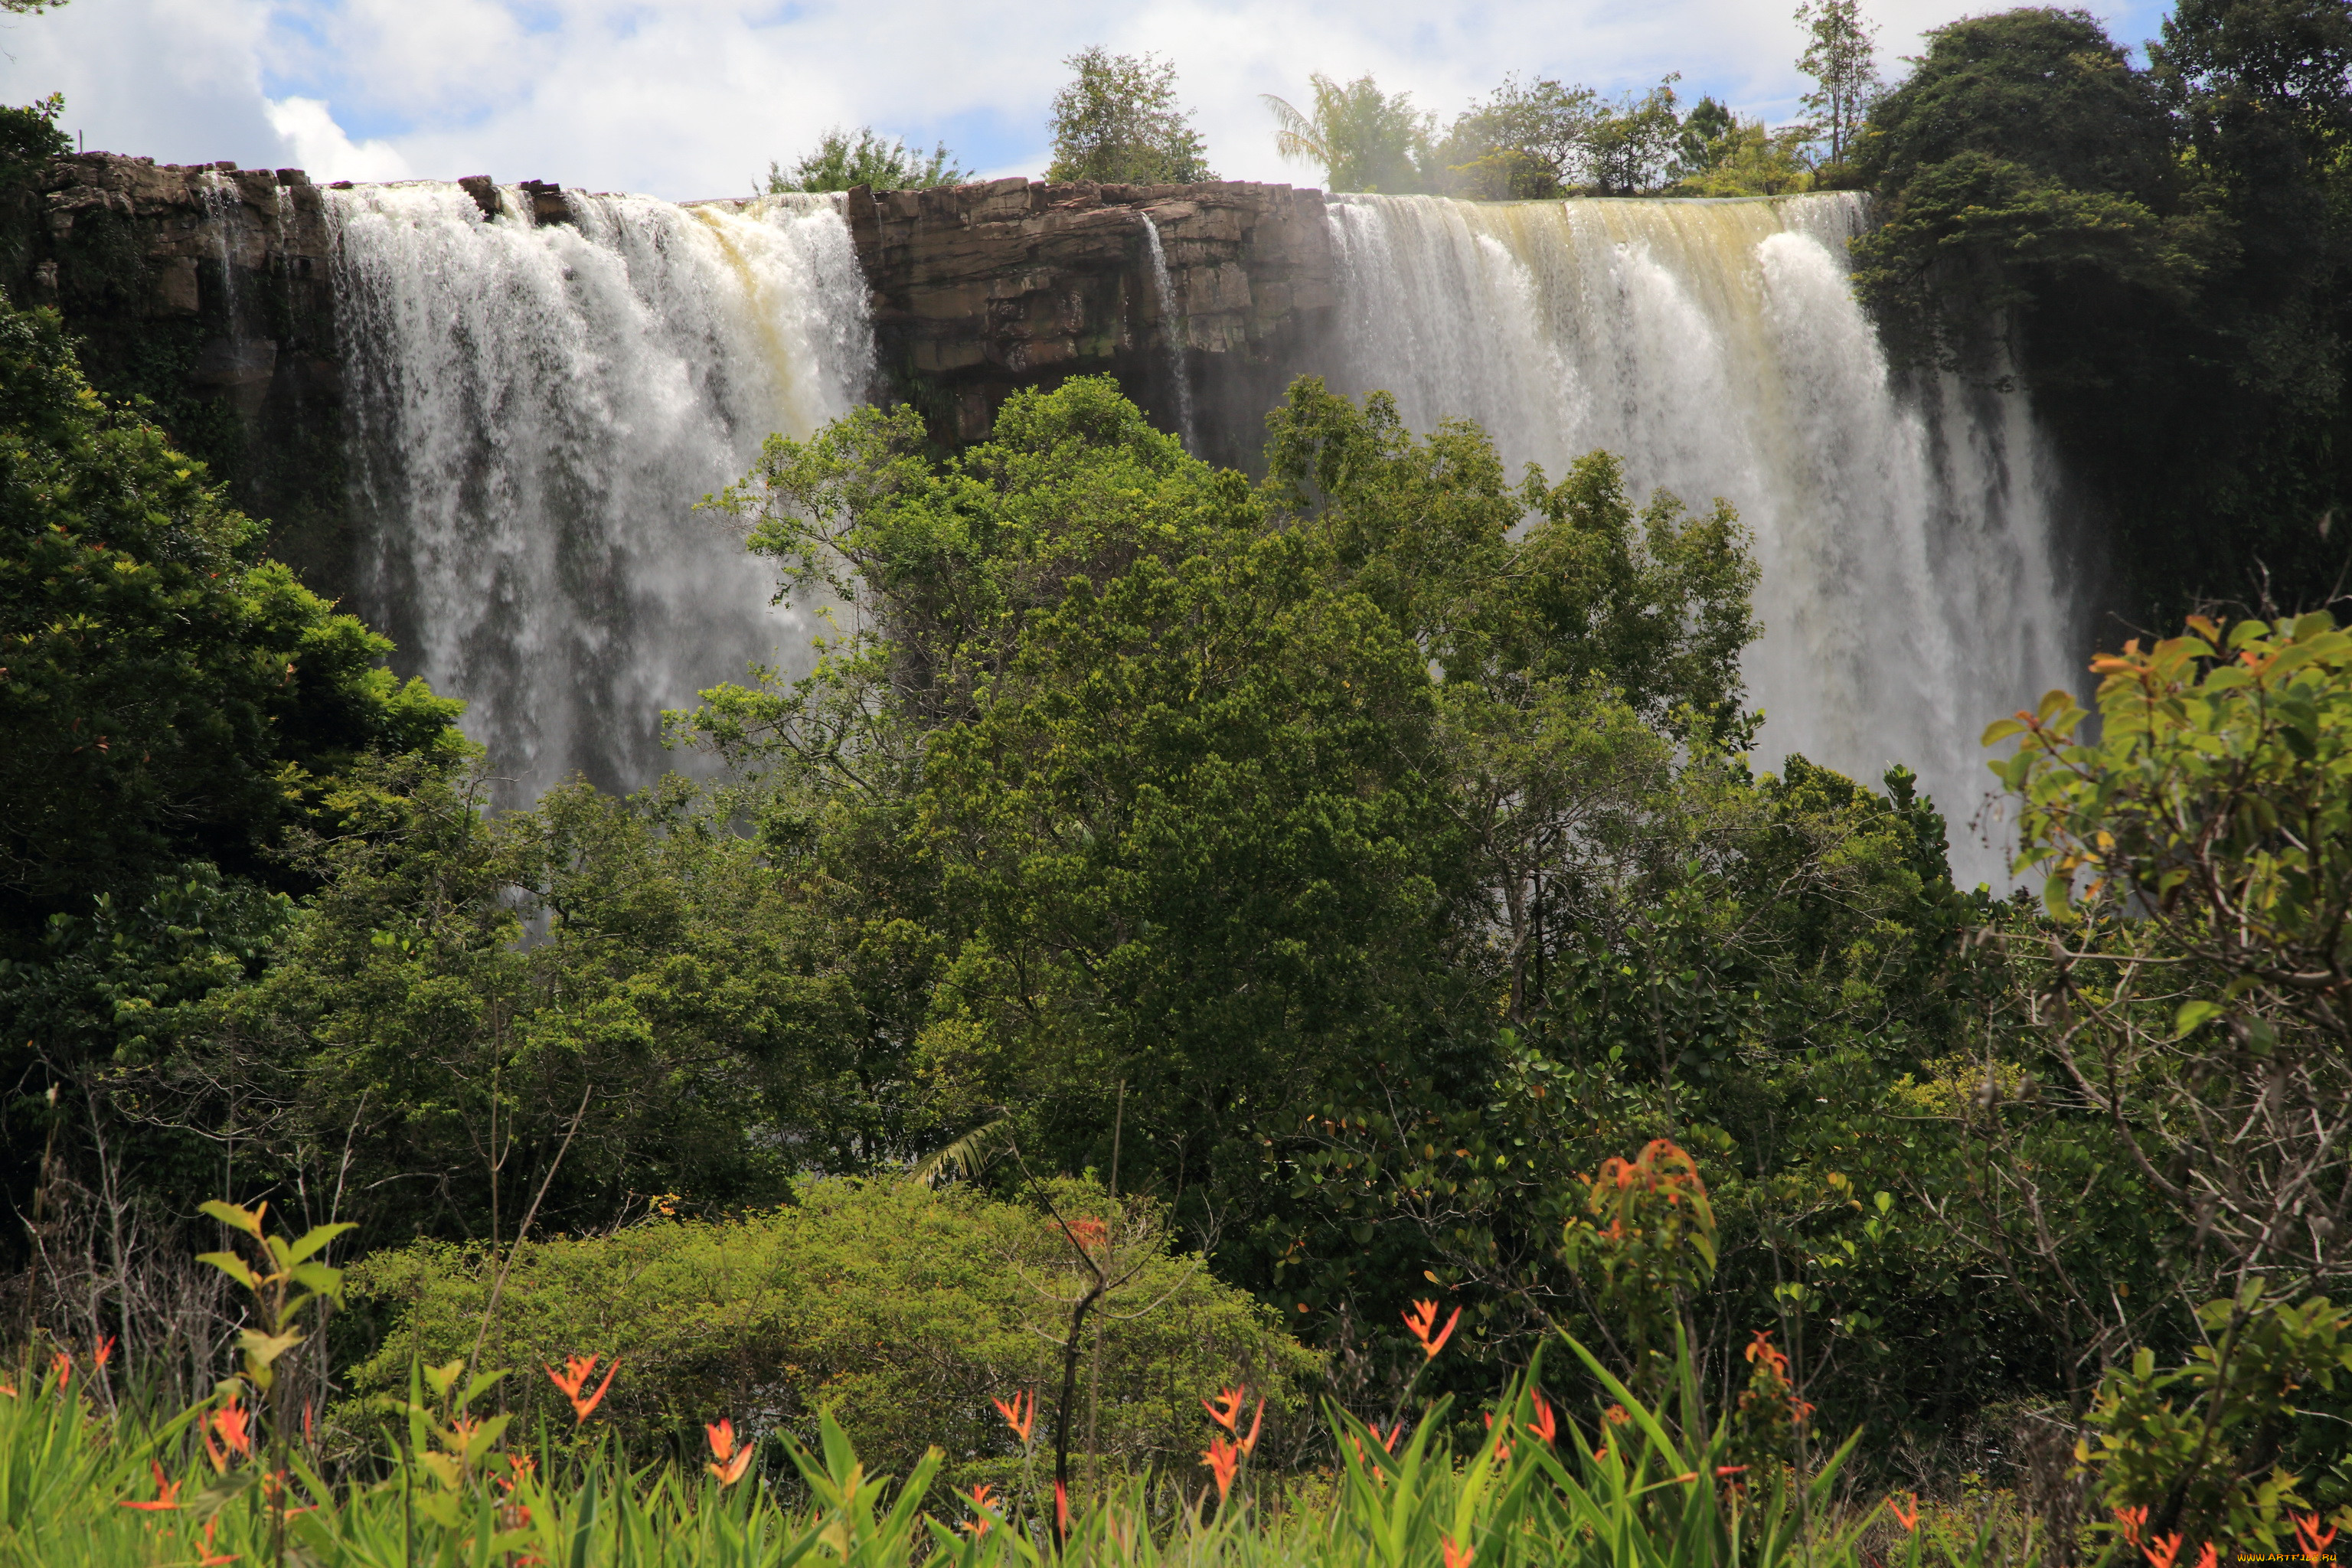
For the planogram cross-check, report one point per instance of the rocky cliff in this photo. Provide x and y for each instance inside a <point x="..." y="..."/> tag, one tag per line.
<point x="209" y="289"/>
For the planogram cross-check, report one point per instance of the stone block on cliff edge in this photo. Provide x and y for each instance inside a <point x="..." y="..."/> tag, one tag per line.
<point x="485" y="192"/>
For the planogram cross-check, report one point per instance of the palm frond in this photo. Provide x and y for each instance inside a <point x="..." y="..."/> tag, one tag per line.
<point x="1295" y="135"/>
<point x="967" y="1156"/>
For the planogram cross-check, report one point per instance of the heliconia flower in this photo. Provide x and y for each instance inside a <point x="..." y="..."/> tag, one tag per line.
<point x="2206" y="1558"/>
<point x="575" y="1377"/>
<point x="1389" y="1440"/>
<point x="980" y="1522"/>
<point x="1907" y="1513"/>
<point x="1224" y="1459"/>
<point x="234" y="1422"/>
<point x="1456" y="1556"/>
<point x="1061" y="1508"/>
<point x="2306" y="1529"/>
<point x="1422" y="1318"/>
<point x="1502" y="1439"/>
<point x="1249" y="1444"/>
<point x="1544" y="1426"/>
<point x="1022" y="1418"/>
<point x="308" y="1426"/>
<point x="2166" y="1549"/>
<point x="167" y="1494"/>
<point x="1230" y="1400"/>
<point x="61" y="1368"/>
<point x="207" y="1558"/>
<point x="1619" y="1416"/>
<point x="732" y="1464"/>
<point x="1723" y="1471"/>
<point x="2132" y="1520"/>
<point x="102" y="1354"/>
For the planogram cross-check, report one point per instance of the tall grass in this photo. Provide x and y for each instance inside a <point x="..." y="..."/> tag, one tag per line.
<point x="80" y="1485"/>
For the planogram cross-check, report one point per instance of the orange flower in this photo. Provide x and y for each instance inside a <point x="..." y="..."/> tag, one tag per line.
<point x="979" y="1523"/>
<point x="209" y="1559"/>
<point x="575" y="1377"/>
<point x="1907" y="1513"/>
<point x="1022" y="1418"/>
<point x="2132" y="1520"/>
<point x="1224" y="1459"/>
<point x="2306" y="1531"/>
<point x="732" y="1464"/>
<point x="234" y="1423"/>
<point x="61" y="1368"/>
<point x="103" y="1353"/>
<point x="1544" y="1426"/>
<point x="1062" y="1509"/>
<point x="1229" y="1400"/>
<point x="2166" y="1549"/>
<point x="1389" y="1438"/>
<point x="1090" y="1234"/>
<point x="1619" y="1416"/>
<point x="1456" y="1556"/>
<point x="1723" y="1471"/>
<point x="2206" y="1557"/>
<point x="1422" y="1318"/>
<point x="167" y="1493"/>
<point x="1249" y="1444"/>
<point x="1502" y="1439"/>
<point x="1764" y="1350"/>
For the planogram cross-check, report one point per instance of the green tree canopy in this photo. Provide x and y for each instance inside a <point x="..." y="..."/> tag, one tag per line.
<point x="1365" y="138"/>
<point x="1118" y="122"/>
<point x="841" y="161"/>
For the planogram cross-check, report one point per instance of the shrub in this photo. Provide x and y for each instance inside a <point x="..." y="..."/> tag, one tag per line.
<point x="902" y="1312"/>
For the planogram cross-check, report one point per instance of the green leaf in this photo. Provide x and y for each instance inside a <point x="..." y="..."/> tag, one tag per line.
<point x="230" y="1264"/>
<point x="2192" y="1016"/>
<point x="2000" y="730"/>
<point x="318" y="1235"/>
<point x="243" y="1219"/>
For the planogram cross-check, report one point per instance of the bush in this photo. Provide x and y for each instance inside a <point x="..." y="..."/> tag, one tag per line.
<point x="902" y="1312"/>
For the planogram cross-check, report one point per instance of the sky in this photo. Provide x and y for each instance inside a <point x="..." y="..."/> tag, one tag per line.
<point x="693" y="98"/>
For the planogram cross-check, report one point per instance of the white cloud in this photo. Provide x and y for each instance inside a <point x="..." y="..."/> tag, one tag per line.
<point x="686" y="98"/>
<point x="319" y="145"/>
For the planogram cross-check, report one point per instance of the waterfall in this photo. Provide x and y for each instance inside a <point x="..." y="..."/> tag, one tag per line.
<point x="1909" y="592"/>
<point x="1172" y="333"/>
<point x="534" y="413"/>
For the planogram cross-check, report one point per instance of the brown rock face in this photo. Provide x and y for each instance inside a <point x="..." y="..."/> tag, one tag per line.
<point x="205" y="288"/>
<point x="208" y="289"/>
<point x="979" y="289"/>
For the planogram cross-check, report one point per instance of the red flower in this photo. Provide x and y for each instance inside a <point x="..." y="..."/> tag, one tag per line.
<point x="1389" y="1438"/>
<point x="1022" y="1418"/>
<point x="575" y="1377"/>
<point x="2132" y="1520"/>
<point x="1544" y="1426"/>
<point x="1619" y="1416"/>
<point x="209" y="1559"/>
<point x="1907" y="1513"/>
<point x="61" y="1368"/>
<point x="1061" y="1508"/>
<point x="2166" y="1549"/>
<point x="103" y="1353"/>
<point x="1249" y="1444"/>
<point x="2206" y="1557"/>
<point x="1224" y="1459"/>
<point x="1422" y="1318"/>
<point x="234" y="1423"/>
<point x="2306" y="1531"/>
<point x="980" y="1521"/>
<point x="167" y="1493"/>
<point x="1456" y="1556"/>
<point x="1089" y="1234"/>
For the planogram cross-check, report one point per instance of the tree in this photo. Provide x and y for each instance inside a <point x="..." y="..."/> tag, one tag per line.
<point x="1841" y="56"/>
<point x="1747" y="160"/>
<point x="1706" y="138"/>
<point x="841" y="162"/>
<point x="1365" y="140"/>
<point x="1118" y="122"/>
<point x="1527" y="142"/>
<point x="1633" y="139"/>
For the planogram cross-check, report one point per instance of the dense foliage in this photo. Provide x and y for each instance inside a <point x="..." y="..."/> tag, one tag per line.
<point x="2160" y="255"/>
<point x="842" y="162"/>
<point x="1118" y="122"/>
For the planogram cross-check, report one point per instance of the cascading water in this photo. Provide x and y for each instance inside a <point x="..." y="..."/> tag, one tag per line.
<point x="1172" y="330"/>
<point x="534" y="411"/>
<point x="1909" y="592"/>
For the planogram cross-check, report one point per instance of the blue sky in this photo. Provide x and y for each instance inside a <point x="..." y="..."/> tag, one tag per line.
<point x="688" y="98"/>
